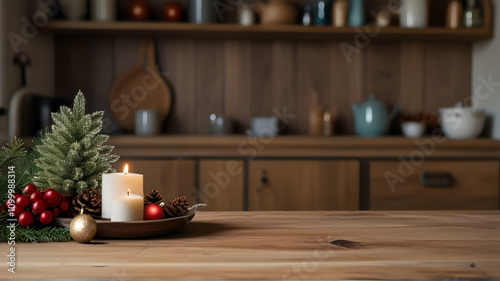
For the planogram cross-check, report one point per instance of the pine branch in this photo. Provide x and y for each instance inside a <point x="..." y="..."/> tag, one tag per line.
<point x="46" y="234"/>
<point x="10" y="153"/>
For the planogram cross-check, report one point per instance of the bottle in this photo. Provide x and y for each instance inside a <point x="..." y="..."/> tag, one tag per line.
<point x="246" y="16"/>
<point x="328" y="122"/>
<point x="454" y="14"/>
<point x="339" y="13"/>
<point x="472" y="15"/>
<point x="321" y="13"/>
<point x="316" y="117"/>
<point x="306" y="16"/>
<point x="356" y="15"/>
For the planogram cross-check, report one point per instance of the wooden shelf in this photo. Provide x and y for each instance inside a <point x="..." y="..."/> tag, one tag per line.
<point x="235" y="31"/>
<point x="296" y="146"/>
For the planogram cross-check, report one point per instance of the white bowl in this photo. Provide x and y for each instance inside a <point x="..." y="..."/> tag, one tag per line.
<point x="462" y="123"/>
<point x="413" y="130"/>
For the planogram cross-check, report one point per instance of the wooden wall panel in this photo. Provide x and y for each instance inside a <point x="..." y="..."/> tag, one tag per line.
<point x="347" y="86"/>
<point x="242" y="79"/>
<point x="209" y="81"/>
<point x="383" y="72"/>
<point x="314" y="66"/>
<point x="412" y="77"/>
<point x="238" y="94"/>
<point x="284" y="83"/>
<point x="177" y="62"/>
<point x="447" y="74"/>
<point x="261" y="69"/>
<point x="86" y="64"/>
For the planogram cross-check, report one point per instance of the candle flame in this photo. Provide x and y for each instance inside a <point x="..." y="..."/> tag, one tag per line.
<point x="128" y="192"/>
<point x="125" y="170"/>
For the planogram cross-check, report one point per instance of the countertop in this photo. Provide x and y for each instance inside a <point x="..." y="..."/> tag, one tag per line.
<point x="300" y="146"/>
<point x="286" y="245"/>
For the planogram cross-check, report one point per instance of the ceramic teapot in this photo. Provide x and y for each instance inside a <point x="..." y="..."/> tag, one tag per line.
<point x="371" y="118"/>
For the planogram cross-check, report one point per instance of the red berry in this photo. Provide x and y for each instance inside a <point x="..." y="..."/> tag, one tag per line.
<point x="153" y="211"/>
<point x="17" y="210"/>
<point x="26" y="218"/>
<point x="16" y="195"/>
<point x="10" y="201"/>
<point x="46" y="217"/>
<point x="64" y="205"/>
<point x="35" y="196"/>
<point x="52" y="198"/>
<point x="39" y="206"/>
<point x="30" y="188"/>
<point x="23" y="201"/>
<point x="56" y="212"/>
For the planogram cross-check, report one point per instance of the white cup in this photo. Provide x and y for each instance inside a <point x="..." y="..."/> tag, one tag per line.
<point x="103" y="10"/>
<point x="413" y="14"/>
<point x="264" y="127"/>
<point x="147" y="122"/>
<point x="413" y="130"/>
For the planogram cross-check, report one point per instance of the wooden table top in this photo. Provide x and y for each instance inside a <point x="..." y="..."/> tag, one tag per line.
<point x="286" y="245"/>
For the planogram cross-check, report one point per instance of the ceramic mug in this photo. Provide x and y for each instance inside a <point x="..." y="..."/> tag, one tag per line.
<point x="264" y="127"/>
<point x="413" y="14"/>
<point x="147" y="122"/>
<point x="103" y="10"/>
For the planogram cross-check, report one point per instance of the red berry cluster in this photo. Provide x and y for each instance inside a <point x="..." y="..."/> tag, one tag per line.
<point x="44" y="205"/>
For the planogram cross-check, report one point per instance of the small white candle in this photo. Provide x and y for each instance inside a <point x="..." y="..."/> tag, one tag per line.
<point x="117" y="184"/>
<point x="127" y="208"/>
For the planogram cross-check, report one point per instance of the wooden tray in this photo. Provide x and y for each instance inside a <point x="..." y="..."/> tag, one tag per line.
<point x="135" y="229"/>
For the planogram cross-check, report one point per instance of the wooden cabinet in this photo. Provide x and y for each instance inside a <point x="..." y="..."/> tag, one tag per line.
<point x="434" y="185"/>
<point x="221" y="184"/>
<point x="303" y="185"/>
<point x="171" y="177"/>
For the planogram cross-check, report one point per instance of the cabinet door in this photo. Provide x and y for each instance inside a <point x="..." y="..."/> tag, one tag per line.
<point x="434" y="185"/>
<point x="171" y="178"/>
<point x="291" y="185"/>
<point x="221" y="184"/>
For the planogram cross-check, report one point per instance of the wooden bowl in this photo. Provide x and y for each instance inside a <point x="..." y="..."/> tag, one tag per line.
<point x="134" y="229"/>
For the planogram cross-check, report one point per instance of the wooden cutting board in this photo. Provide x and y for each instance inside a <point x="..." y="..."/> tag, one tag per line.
<point x="140" y="88"/>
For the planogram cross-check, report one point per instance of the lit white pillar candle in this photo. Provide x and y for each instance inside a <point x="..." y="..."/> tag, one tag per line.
<point x="129" y="207"/>
<point x="117" y="184"/>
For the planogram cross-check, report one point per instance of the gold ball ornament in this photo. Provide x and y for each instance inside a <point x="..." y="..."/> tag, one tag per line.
<point x="83" y="228"/>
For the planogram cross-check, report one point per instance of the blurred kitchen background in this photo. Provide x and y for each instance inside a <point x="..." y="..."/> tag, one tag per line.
<point x="273" y="105"/>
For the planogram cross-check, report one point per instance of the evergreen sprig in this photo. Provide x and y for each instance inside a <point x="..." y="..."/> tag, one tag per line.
<point x="45" y="234"/>
<point x="24" y="164"/>
<point x="73" y="156"/>
<point x="10" y="153"/>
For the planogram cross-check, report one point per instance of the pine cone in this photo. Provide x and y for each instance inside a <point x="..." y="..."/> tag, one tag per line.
<point x="153" y="197"/>
<point x="90" y="200"/>
<point x="176" y="207"/>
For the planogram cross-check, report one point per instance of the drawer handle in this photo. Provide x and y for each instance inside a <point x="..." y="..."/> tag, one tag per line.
<point x="263" y="181"/>
<point x="436" y="179"/>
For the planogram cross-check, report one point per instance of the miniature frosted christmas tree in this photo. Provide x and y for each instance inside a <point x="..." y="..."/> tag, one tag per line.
<point x="73" y="156"/>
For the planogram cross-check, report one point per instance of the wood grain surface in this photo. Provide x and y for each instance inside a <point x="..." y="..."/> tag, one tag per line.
<point x="286" y="245"/>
